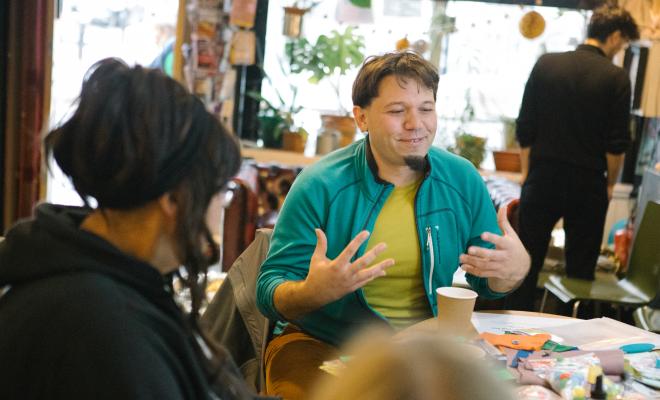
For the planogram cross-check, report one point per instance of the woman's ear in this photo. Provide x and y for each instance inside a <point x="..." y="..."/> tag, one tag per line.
<point x="168" y="205"/>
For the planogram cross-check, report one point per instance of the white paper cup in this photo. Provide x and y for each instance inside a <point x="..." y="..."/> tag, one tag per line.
<point x="455" y="307"/>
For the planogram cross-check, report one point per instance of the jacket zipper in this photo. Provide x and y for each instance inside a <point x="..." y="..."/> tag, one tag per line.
<point x="429" y="247"/>
<point x="429" y="243"/>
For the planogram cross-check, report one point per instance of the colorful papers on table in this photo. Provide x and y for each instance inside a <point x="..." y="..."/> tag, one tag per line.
<point x="521" y="342"/>
<point x="602" y="334"/>
<point x="645" y="370"/>
<point x="502" y="323"/>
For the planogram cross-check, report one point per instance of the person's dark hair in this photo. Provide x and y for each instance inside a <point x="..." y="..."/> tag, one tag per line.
<point x="402" y="65"/>
<point x="608" y="19"/>
<point x="137" y="134"/>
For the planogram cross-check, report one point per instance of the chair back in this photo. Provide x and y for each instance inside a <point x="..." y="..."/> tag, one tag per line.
<point x="512" y="212"/>
<point x="240" y="222"/>
<point x="232" y="318"/>
<point x="644" y="265"/>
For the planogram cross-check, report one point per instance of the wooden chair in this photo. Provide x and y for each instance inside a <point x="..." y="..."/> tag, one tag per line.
<point x="637" y="289"/>
<point x="240" y="222"/>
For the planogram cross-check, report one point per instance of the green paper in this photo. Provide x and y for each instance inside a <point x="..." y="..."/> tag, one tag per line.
<point x="361" y="3"/>
<point x="554" y="346"/>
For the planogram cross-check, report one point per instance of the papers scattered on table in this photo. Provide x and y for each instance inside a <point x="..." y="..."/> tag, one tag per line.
<point x="594" y="334"/>
<point x="601" y="334"/>
<point x="644" y="368"/>
<point x="501" y="323"/>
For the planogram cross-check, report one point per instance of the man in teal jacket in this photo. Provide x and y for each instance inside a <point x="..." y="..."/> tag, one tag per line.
<point x="427" y="210"/>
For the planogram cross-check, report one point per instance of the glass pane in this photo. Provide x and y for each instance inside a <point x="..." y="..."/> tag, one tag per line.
<point x="137" y="31"/>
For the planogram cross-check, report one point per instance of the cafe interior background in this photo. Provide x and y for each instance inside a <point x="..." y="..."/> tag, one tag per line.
<point x="279" y="73"/>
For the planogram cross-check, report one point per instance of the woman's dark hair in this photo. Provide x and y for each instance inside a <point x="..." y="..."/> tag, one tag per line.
<point x="608" y="19"/>
<point x="138" y="134"/>
<point x="402" y="65"/>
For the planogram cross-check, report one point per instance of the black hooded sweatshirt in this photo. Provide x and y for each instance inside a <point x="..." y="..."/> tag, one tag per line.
<point x="82" y="320"/>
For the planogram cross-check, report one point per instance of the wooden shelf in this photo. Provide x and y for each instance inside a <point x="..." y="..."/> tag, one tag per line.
<point x="288" y="158"/>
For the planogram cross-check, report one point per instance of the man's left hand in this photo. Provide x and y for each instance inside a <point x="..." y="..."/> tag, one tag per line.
<point x="506" y="265"/>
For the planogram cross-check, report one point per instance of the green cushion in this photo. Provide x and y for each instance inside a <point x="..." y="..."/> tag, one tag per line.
<point x="570" y="289"/>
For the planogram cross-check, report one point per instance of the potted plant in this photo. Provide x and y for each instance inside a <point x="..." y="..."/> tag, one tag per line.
<point x="467" y="145"/>
<point x="470" y="147"/>
<point x="329" y="58"/>
<point x="276" y="123"/>
<point x="508" y="159"/>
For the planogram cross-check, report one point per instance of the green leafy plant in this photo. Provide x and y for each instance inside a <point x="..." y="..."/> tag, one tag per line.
<point x="331" y="57"/>
<point x="470" y="147"/>
<point x="276" y="119"/>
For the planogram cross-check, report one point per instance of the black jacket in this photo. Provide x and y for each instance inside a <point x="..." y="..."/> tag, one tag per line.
<point x="83" y="320"/>
<point x="575" y="109"/>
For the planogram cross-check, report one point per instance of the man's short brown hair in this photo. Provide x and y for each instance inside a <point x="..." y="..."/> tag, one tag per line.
<point x="403" y="65"/>
<point x="608" y="19"/>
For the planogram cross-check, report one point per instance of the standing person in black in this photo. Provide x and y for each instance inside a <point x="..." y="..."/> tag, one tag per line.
<point x="573" y="131"/>
<point x="86" y="301"/>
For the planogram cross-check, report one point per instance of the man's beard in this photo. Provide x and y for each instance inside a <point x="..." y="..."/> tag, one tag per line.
<point x="416" y="163"/>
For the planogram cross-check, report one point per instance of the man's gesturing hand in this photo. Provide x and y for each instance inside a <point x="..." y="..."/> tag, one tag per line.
<point x="506" y="265"/>
<point x="329" y="280"/>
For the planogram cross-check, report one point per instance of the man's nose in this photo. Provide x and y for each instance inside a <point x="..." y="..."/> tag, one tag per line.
<point x="412" y="121"/>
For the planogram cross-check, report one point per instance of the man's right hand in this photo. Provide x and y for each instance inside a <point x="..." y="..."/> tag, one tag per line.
<point x="329" y="280"/>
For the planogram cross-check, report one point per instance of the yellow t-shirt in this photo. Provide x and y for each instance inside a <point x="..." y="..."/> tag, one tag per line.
<point x="400" y="294"/>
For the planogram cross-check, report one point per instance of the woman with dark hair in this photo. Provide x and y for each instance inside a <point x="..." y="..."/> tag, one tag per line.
<point x="88" y="308"/>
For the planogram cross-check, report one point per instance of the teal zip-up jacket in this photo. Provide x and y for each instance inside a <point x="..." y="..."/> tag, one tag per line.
<point x="342" y="195"/>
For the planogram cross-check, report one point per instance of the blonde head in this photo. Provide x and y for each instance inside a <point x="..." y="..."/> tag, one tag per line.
<point x="419" y="367"/>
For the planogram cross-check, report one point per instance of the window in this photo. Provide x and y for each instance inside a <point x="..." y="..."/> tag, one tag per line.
<point x="136" y="31"/>
<point x="484" y="64"/>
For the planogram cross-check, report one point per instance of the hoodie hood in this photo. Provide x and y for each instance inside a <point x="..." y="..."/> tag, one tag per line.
<point x="52" y="243"/>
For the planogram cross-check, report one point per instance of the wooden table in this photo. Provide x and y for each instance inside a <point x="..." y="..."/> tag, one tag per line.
<point x="526" y="313"/>
<point x="431" y="325"/>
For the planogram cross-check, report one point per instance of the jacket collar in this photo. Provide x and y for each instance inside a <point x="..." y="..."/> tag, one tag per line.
<point x="368" y="169"/>
<point x="591" y="49"/>
<point x="371" y="162"/>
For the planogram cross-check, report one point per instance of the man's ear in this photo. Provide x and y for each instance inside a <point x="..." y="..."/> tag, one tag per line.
<point x="360" y="115"/>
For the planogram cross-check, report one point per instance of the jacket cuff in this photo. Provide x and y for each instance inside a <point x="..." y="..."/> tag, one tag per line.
<point x="481" y="286"/>
<point x="266" y="300"/>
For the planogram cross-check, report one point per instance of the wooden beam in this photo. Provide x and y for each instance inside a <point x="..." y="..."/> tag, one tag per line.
<point x="177" y="69"/>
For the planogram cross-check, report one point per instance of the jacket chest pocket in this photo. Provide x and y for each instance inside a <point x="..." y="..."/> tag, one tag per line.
<point x="441" y="249"/>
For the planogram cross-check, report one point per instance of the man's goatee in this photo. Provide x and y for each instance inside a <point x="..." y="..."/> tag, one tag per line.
<point x="416" y="163"/>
